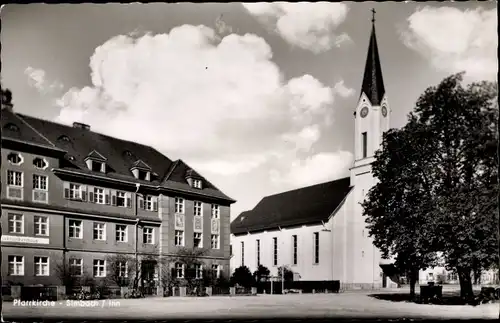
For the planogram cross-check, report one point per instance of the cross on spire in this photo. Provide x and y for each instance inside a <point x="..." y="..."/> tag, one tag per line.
<point x="373" y="15"/>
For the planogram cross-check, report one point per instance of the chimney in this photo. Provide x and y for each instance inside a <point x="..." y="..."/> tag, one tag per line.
<point x="6" y="98"/>
<point x="81" y="125"/>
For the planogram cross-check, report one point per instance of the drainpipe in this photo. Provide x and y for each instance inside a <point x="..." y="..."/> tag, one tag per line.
<point x="136" y="238"/>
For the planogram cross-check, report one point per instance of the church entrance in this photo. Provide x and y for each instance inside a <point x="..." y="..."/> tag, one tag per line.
<point x="384" y="280"/>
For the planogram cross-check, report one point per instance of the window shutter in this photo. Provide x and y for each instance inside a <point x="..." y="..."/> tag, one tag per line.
<point x="84" y="193"/>
<point x="129" y="200"/>
<point x="66" y="190"/>
<point x="155" y="203"/>
<point x="141" y="201"/>
<point x="106" y="196"/>
<point x="91" y="194"/>
<point x="113" y="198"/>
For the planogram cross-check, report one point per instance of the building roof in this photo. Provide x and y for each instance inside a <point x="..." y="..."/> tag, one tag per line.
<point x="120" y="155"/>
<point x="306" y="205"/>
<point x="373" y="82"/>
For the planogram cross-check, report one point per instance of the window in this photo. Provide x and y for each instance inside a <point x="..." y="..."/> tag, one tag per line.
<point x="99" y="268"/>
<point x="452" y="276"/>
<point x="242" y="253"/>
<point x="39" y="182"/>
<point x="198" y="208"/>
<point x="197" y="183"/>
<point x="179" y="270"/>
<point x="294" y="242"/>
<point x="198" y="242"/>
<point x="16" y="265"/>
<point x="179" y="205"/>
<point x="98" y="195"/>
<point x="16" y="223"/>
<point x="258" y="252"/>
<point x="147" y="235"/>
<point x="430" y="276"/>
<point x="316" y="247"/>
<point x="216" y="269"/>
<point x="121" y="199"/>
<point x="75" y="191"/>
<point x="122" y="269"/>
<point x="121" y="233"/>
<point x="275" y="251"/>
<point x="215" y="211"/>
<point x="214" y="241"/>
<point x="143" y="175"/>
<point x="41" y="266"/>
<point x="148" y="203"/>
<point x="15" y="159"/>
<point x="75" y="229"/>
<point x="198" y="270"/>
<point x="76" y="266"/>
<point x="14" y="178"/>
<point x="41" y="225"/>
<point x="179" y="238"/>
<point x="364" y="144"/>
<point x="231" y="250"/>
<point x="99" y="231"/>
<point x="96" y="166"/>
<point x="40" y="163"/>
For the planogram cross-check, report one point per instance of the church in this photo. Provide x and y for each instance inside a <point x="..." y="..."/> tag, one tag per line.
<point x="319" y="231"/>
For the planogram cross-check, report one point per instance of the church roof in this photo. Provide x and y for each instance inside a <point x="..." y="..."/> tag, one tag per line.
<point x="373" y="82"/>
<point x="311" y="204"/>
<point x="120" y="155"/>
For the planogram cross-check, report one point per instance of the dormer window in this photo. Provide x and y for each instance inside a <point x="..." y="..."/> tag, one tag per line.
<point x="96" y="162"/>
<point x="11" y="127"/>
<point x="40" y="163"/>
<point x="197" y="183"/>
<point x="97" y="166"/>
<point x="141" y="170"/>
<point x="15" y="158"/>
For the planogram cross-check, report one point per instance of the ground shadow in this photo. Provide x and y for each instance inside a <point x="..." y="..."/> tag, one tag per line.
<point x="447" y="299"/>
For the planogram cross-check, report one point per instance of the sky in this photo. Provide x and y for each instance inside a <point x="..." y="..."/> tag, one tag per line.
<point x="257" y="97"/>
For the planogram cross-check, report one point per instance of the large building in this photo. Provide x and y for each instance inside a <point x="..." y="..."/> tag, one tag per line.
<point x="71" y="195"/>
<point x="319" y="231"/>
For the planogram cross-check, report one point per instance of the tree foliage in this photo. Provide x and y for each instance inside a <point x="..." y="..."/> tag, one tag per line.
<point x="261" y="273"/>
<point x="437" y="189"/>
<point x="243" y="277"/>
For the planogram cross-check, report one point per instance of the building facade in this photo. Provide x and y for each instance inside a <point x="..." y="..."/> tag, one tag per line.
<point x="74" y="197"/>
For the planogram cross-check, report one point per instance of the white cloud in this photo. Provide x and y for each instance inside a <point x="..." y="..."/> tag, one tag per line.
<point x="318" y="168"/>
<point x="220" y="104"/>
<point x="310" y="26"/>
<point x="456" y="40"/>
<point x="342" y="90"/>
<point x="38" y="80"/>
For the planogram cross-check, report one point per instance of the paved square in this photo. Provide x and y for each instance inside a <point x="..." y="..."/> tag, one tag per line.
<point x="263" y="306"/>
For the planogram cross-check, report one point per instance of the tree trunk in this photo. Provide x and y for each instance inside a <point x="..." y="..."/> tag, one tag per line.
<point x="413" y="281"/>
<point x="464" y="276"/>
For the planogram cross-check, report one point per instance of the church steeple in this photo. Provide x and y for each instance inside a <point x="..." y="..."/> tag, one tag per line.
<point x="373" y="82"/>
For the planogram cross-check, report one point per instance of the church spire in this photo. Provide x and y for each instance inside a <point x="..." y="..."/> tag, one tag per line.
<point x="373" y="83"/>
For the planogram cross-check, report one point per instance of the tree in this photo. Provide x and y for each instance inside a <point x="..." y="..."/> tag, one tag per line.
<point x="462" y="122"/>
<point x="242" y="276"/>
<point x="287" y="274"/>
<point x="66" y="276"/>
<point x="397" y="208"/>
<point x="261" y="273"/>
<point x="438" y="183"/>
<point x="190" y="258"/>
<point x="120" y="269"/>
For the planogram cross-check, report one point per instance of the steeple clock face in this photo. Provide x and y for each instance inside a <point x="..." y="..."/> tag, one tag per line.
<point x="364" y="112"/>
<point x="384" y="111"/>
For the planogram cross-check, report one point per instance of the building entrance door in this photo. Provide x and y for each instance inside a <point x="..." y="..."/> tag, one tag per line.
<point x="147" y="276"/>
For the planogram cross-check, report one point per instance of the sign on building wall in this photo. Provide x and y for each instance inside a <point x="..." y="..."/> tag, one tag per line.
<point x="179" y="221"/>
<point x="215" y="226"/>
<point x="20" y="239"/>
<point x="198" y="224"/>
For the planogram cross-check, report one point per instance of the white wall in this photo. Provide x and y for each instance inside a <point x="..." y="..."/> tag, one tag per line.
<point x="305" y="251"/>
